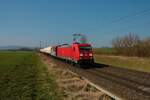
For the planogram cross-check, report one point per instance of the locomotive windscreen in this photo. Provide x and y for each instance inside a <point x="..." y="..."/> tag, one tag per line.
<point x="87" y="48"/>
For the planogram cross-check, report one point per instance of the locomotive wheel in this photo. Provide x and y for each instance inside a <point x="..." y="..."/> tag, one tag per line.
<point x="73" y="64"/>
<point x="77" y="65"/>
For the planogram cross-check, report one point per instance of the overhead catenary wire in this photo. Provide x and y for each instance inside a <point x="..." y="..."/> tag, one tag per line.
<point x="121" y="19"/>
<point x="132" y="15"/>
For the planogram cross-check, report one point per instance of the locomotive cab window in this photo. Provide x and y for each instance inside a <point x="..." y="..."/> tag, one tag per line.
<point x="86" y="48"/>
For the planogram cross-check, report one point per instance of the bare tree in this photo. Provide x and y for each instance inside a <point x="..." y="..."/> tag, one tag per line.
<point x="126" y="45"/>
<point x="144" y="48"/>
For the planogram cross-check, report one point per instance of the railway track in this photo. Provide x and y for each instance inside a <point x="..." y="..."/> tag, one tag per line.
<point x="120" y="83"/>
<point x="132" y="86"/>
<point x="123" y="80"/>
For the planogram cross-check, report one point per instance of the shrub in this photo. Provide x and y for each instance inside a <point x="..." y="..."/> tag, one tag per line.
<point x="132" y="45"/>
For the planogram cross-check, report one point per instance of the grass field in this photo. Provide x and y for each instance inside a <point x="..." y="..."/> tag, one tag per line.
<point x="107" y="51"/>
<point x="23" y="77"/>
<point x="135" y="63"/>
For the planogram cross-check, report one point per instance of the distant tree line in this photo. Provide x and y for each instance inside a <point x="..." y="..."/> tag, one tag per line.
<point x="132" y="45"/>
<point x="20" y="49"/>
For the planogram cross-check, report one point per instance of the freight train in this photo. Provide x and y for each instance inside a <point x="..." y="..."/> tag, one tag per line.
<point x="77" y="53"/>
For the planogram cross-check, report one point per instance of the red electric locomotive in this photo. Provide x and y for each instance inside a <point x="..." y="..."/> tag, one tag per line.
<point x="77" y="53"/>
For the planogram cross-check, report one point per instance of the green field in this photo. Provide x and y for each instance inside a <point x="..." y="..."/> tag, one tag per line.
<point x="24" y="77"/>
<point x="105" y="50"/>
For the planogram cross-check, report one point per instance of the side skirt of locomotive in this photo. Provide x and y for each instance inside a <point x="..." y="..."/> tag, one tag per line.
<point x="81" y="63"/>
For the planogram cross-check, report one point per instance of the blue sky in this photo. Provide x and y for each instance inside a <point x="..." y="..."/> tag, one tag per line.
<point x="26" y="22"/>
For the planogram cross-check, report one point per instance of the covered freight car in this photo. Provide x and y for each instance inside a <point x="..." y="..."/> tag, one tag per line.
<point x="46" y="50"/>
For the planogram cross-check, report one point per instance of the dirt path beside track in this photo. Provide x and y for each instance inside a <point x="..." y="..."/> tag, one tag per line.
<point x="72" y="86"/>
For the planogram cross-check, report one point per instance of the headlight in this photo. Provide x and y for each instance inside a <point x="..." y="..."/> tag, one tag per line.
<point x="81" y="55"/>
<point x="90" y="54"/>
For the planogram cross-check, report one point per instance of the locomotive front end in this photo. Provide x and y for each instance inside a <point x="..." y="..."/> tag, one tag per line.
<point x="86" y="54"/>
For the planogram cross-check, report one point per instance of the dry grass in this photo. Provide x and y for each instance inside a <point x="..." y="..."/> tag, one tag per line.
<point x="71" y="85"/>
<point x="135" y="63"/>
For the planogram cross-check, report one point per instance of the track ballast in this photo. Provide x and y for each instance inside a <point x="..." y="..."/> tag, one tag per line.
<point x="121" y="83"/>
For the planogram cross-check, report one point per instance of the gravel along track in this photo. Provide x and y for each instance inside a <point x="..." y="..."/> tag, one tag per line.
<point x="122" y="83"/>
<point x="71" y="85"/>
